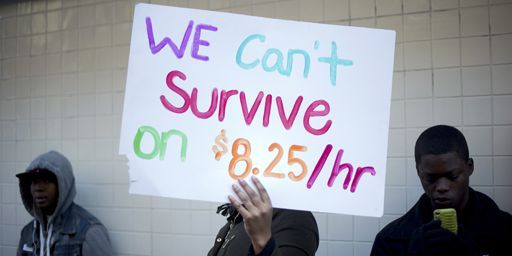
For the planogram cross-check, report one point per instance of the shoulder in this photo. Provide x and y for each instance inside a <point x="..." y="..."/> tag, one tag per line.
<point x="403" y="227"/>
<point x="83" y="215"/>
<point x="293" y="218"/>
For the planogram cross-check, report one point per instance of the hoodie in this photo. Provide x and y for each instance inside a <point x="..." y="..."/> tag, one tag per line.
<point x="71" y="229"/>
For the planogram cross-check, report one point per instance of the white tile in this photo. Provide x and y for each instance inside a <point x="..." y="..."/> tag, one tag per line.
<point x="477" y="110"/>
<point x="69" y="61"/>
<point x="131" y="243"/>
<point x="501" y="50"/>
<point x="483" y="172"/>
<point x="321" y="222"/>
<point x="103" y="36"/>
<point x="54" y="21"/>
<point x="448" y="111"/>
<point x="364" y="23"/>
<point x="445" y="53"/>
<point x="38" y="23"/>
<point x="411" y="136"/>
<point x="86" y="105"/>
<point x="417" y="55"/>
<point x="444" y="4"/>
<point x="475" y="51"/>
<point x="474" y="21"/>
<point x="310" y="11"/>
<point x="395" y="172"/>
<point x="394" y="23"/>
<point x="465" y="3"/>
<point x="53" y="128"/>
<point x="340" y="227"/>
<point x="396" y="143"/>
<point x="399" y="57"/>
<point x="69" y="40"/>
<point x="398" y="90"/>
<point x="53" y="64"/>
<point x="502" y="140"/>
<point x="418" y="113"/>
<point x="397" y="115"/>
<point x="103" y="104"/>
<point x="501" y="19"/>
<point x="22" y="109"/>
<point x="502" y="198"/>
<point x="363" y="249"/>
<point x="24" y="46"/>
<point x="38" y="65"/>
<point x="501" y="109"/>
<point x="335" y="248"/>
<point x="476" y="80"/>
<point x="445" y="24"/>
<point x="54" y="42"/>
<point x="86" y="60"/>
<point x="104" y="13"/>
<point x="365" y="228"/>
<point x="389" y="7"/>
<point x="38" y="108"/>
<point x="69" y="128"/>
<point x="86" y="38"/>
<point x="86" y="127"/>
<point x="105" y="149"/>
<point x="502" y="173"/>
<point x="501" y="77"/>
<point x="70" y="148"/>
<point x="24" y="25"/>
<point x="479" y="140"/>
<point x="416" y="6"/>
<point x="362" y="8"/>
<point x="395" y="201"/>
<point x="70" y="18"/>
<point x="53" y="85"/>
<point x="103" y="58"/>
<point x="416" y="27"/>
<point x="121" y="34"/>
<point x="122" y="11"/>
<point x="69" y="84"/>
<point x="86" y="82"/>
<point x="85" y="15"/>
<point x="418" y="84"/>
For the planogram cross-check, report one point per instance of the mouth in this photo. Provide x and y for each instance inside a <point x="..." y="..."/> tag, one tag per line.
<point x="442" y="202"/>
<point x="40" y="200"/>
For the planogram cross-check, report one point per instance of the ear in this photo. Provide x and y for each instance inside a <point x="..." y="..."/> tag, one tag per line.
<point x="471" y="166"/>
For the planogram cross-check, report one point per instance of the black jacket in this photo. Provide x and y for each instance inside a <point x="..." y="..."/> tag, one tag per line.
<point x="486" y="228"/>
<point x="293" y="233"/>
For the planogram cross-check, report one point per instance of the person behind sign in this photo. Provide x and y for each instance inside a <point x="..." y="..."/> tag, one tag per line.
<point x="444" y="167"/>
<point x="59" y="227"/>
<point x="255" y="228"/>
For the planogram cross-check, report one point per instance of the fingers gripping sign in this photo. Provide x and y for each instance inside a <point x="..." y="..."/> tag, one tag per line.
<point x="256" y="210"/>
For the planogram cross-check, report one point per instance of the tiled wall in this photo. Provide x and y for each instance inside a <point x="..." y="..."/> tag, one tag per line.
<point x="62" y="75"/>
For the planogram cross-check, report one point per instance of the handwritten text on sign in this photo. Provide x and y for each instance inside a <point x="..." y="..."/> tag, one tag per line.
<point x="214" y="97"/>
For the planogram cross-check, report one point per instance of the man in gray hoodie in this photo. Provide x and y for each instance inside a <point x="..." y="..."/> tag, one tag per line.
<point x="59" y="227"/>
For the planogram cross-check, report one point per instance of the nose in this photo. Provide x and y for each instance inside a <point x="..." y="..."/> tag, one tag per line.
<point x="443" y="185"/>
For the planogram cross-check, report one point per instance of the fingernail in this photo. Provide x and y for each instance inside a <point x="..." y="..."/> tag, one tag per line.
<point x="242" y="182"/>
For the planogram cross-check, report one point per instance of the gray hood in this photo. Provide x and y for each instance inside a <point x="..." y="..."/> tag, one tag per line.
<point x="59" y="165"/>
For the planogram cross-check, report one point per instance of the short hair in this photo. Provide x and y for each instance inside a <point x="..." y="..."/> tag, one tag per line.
<point x="441" y="139"/>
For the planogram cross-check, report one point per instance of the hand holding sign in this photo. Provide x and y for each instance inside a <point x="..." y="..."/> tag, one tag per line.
<point x="256" y="210"/>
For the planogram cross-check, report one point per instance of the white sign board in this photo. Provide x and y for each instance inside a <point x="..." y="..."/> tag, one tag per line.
<point x="214" y="97"/>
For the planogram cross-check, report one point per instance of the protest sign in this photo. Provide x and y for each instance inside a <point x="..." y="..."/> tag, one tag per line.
<point x="214" y="97"/>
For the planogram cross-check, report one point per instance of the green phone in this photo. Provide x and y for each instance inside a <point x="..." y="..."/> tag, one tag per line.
<point x="448" y="218"/>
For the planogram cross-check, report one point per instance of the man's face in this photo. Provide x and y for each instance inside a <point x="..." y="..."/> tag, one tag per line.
<point x="445" y="179"/>
<point x="45" y="194"/>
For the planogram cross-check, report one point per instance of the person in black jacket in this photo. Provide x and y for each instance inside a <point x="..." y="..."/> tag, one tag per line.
<point x="444" y="167"/>
<point x="255" y="228"/>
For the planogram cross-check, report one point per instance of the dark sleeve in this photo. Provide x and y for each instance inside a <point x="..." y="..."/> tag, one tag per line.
<point x="25" y="234"/>
<point x="380" y="246"/>
<point x="96" y="241"/>
<point x="295" y="233"/>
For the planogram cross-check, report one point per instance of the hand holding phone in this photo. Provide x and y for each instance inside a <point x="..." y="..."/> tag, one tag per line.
<point x="448" y="218"/>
